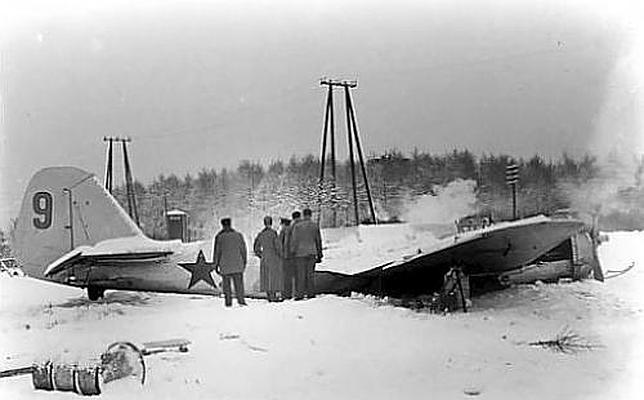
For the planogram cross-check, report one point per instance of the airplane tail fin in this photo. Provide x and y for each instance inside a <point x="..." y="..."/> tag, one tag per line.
<point x="63" y="208"/>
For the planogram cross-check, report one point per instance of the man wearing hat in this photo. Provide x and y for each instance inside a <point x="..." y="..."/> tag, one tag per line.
<point x="306" y="247"/>
<point x="229" y="256"/>
<point x="288" y="258"/>
<point x="269" y="250"/>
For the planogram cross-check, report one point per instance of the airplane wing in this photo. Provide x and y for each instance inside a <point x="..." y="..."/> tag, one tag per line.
<point x="443" y="252"/>
<point x="491" y="251"/>
<point x="495" y="249"/>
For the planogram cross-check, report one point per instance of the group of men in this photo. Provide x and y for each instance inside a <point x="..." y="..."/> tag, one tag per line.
<point x="287" y="258"/>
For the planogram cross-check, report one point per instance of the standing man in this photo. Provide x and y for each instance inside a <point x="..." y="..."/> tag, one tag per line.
<point x="290" y="277"/>
<point x="306" y="246"/>
<point x="268" y="248"/>
<point x="229" y="256"/>
<point x="287" y="271"/>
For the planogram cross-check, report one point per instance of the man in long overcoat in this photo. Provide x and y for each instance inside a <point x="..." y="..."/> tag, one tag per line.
<point x="229" y="256"/>
<point x="287" y="273"/>
<point x="268" y="248"/>
<point x="306" y="247"/>
<point x="288" y="264"/>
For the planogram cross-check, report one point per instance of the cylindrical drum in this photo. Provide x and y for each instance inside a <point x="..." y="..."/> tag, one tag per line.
<point x="67" y="378"/>
<point x="42" y="376"/>
<point x="64" y="376"/>
<point x="88" y="381"/>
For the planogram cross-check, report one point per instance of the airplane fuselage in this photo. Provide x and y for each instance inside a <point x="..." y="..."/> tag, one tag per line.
<point x="181" y="270"/>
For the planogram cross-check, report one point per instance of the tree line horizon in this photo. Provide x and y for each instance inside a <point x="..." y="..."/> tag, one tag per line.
<point x="612" y="190"/>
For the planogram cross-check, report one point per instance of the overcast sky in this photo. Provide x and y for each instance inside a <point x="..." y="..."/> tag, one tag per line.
<point x="207" y="84"/>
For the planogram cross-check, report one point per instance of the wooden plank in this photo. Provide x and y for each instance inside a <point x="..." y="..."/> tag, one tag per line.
<point x="165" y="345"/>
<point x="16" y="372"/>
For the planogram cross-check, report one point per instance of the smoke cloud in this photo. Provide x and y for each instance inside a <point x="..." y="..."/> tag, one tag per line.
<point x="450" y="202"/>
<point x="615" y="195"/>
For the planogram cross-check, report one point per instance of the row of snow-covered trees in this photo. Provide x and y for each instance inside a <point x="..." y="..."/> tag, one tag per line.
<point x="252" y="190"/>
<point x="614" y="189"/>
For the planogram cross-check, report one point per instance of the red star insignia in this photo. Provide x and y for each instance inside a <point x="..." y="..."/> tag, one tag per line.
<point x="200" y="271"/>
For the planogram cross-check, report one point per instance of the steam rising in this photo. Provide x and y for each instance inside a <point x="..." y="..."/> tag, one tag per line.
<point x="451" y="202"/>
<point x="616" y="190"/>
<point x="618" y="138"/>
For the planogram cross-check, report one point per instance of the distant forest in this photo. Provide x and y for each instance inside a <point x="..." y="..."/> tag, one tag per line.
<point x="614" y="190"/>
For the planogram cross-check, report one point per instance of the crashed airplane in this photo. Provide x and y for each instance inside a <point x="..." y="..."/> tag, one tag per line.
<point x="72" y="231"/>
<point x="494" y="256"/>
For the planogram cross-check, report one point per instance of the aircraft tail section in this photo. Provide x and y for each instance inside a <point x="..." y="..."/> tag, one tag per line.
<point x="63" y="208"/>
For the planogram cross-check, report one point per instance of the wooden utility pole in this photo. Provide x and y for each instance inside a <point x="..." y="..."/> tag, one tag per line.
<point x="354" y="125"/>
<point x="352" y="135"/>
<point x="109" y="175"/>
<point x="351" y="158"/>
<point x="129" y="184"/>
<point x="329" y="130"/>
<point x="109" y="167"/>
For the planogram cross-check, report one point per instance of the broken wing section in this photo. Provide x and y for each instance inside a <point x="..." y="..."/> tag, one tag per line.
<point x="482" y="253"/>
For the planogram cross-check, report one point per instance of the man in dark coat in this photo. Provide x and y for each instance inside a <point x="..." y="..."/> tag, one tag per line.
<point x="290" y="282"/>
<point x="287" y="275"/>
<point x="306" y="247"/>
<point x="268" y="248"/>
<point x="229" y="256"/>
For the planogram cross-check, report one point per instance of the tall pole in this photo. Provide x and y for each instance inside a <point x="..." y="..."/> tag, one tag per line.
<point x="109" y="168"/>
<point x="323" y="155"/>
<point x="351" y="158"/>
<point x="325" y="134"/>
<point x="359" y="148"/>
<point x="328" y="134"/>
<point x="333" y="178"/>
<point x="129" y="186"/>
<point x="352" y="134"/>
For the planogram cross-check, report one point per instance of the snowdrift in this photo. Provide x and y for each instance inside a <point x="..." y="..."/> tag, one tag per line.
<point x="346" y="348"/>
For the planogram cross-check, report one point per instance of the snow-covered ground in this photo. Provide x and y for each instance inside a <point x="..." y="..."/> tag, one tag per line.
<point x="346" y="348"/>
